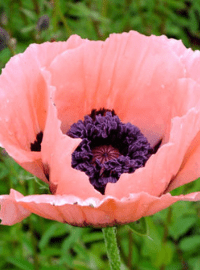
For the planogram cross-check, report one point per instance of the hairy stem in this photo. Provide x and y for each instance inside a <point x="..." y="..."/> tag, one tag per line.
<point x="112" y="248"/>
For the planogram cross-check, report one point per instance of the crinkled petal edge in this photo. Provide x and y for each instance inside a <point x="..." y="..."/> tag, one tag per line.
<point x="90" y="212"/>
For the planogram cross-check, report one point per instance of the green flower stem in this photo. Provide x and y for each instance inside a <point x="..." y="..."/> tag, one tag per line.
<point x="58" y="13"/>
<point x="109" y="234"/>
<point x="36" y="6"/>
<point x="34" y="245"/>
<point x="104" y="8"/>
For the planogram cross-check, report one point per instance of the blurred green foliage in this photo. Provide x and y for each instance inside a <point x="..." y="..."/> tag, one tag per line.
<point x="172" y="241"/>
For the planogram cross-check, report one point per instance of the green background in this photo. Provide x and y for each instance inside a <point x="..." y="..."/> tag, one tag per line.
<point x="172" y="241"/>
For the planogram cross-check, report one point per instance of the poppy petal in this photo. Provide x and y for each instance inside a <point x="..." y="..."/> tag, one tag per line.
<point x="190" y="167"/>
<point x="94" y="212"/>
<point x="47" y="51"/>
<point x="20" y="122"/>
<point x="189" y="58"/>
<point x="11" y="211"/>
<point x="185" y="133"/>
<point x="22" y="80"/>
<point x="163" y="166"/>
<point x="57" y="149"/>
<point x="128" y="73"/>
<point x="151" y="82"/>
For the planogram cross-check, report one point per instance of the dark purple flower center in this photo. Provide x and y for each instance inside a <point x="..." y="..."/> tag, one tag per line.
<point x="108" y="148"/>
<point x="36" y="146"/>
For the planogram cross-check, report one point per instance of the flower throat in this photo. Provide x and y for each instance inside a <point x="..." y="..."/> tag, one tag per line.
<point x="108" y="148"/>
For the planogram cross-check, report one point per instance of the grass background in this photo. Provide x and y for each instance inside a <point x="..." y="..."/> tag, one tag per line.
<point x="173" y="238"/>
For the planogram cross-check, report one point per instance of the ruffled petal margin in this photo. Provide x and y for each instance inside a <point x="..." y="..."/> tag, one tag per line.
<point x="91" y="212"/>
<point x="12" y="212"/>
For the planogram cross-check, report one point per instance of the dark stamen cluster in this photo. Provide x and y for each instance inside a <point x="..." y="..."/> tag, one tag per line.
<point x="36" y="146"/>
<point x="108" y="148"/>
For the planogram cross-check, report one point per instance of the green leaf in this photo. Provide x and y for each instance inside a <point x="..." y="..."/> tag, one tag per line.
<point x="21" y="263"/>
<point x="139" y="227"/>
<point x="194" y="21"/>
<point x="49" y="251"/>
<point x="190" y="244"/>
<point x="194" y="263"/>
<point x="79" y="9"/>
<point x="28" y="29"/>
<point x="30" y="14"/>
<point x="165" y="254"/>
<point x="181" y="226"/>
<point x="92" y="237"/>
<point x="80" y="249"/>
<point x="56" y="267"/>
<point x="174" y="4"/>
<point x="56" y="229"/>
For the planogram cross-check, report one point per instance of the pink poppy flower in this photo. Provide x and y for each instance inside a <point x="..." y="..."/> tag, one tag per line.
<point x="111" y="167"/>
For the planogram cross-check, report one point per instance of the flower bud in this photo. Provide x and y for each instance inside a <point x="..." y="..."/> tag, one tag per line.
<point x="4" y="38"/>
<point x="43" y="23"/>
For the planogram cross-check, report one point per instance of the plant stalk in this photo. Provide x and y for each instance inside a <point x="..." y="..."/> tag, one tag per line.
<point x="109" y="234"/>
